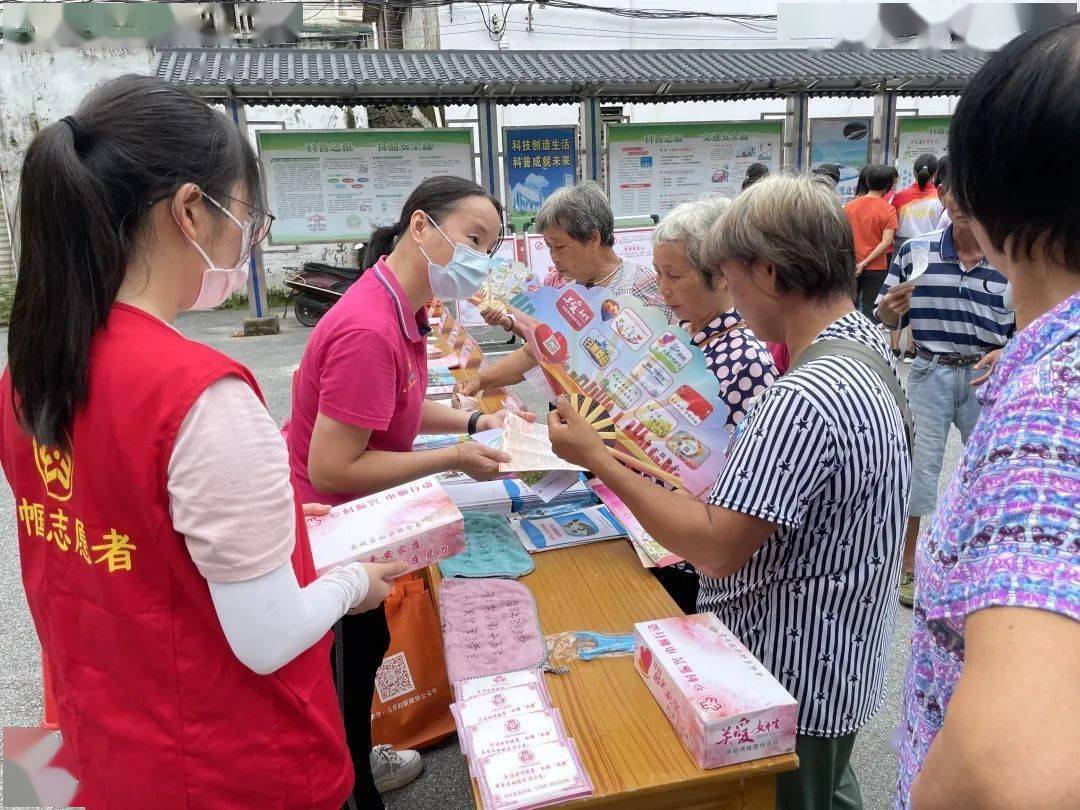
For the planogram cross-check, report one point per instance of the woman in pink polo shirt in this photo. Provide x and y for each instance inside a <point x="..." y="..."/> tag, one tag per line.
<point x="358" y="406"/>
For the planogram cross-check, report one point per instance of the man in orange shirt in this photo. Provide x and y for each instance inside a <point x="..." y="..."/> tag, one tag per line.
<point x="873" y="223"/>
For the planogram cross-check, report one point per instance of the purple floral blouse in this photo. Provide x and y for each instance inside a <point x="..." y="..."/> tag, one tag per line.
<point x="1008" y="530"/>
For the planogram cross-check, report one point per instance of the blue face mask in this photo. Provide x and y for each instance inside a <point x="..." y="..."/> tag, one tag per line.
<point x="462" y="276"/>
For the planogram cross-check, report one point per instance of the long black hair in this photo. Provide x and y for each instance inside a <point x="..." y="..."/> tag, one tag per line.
<point x="86" y="185"/>
<point x="860" y="185"/>
<point x="925" y="168"/>
<point x="436" y="197"/>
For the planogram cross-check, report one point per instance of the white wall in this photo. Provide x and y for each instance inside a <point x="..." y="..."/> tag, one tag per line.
<point x="462" y="27"/>
<point x="40" y="87"/>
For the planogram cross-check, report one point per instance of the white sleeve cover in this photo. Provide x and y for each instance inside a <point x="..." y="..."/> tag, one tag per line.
<point x="269" y="620"/>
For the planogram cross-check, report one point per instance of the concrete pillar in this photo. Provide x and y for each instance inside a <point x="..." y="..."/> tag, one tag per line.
<point x="487" y="115"/>
<point x="592" y="167"/>
<point x="796" y="131"/>
<point x="259" y="320"/>
<point x="883" y="128"/>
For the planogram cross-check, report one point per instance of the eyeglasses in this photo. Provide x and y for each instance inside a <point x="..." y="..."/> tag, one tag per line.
<point x="260" y="219"/>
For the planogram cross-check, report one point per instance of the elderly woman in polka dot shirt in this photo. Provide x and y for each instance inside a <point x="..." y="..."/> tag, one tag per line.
<point x="700" y="298"/>
<point x="701" y="301"/>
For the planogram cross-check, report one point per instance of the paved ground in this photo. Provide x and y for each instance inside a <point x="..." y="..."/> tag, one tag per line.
<point x="444" y="785"/>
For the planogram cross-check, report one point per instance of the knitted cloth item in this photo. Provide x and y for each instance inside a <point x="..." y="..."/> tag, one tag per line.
<point x="491" y="550"/>
<point x="490" y="626"/>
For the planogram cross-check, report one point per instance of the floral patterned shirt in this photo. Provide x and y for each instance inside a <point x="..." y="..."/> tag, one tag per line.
<point x="739" y="360"/>
<point x="1008" y="530"/>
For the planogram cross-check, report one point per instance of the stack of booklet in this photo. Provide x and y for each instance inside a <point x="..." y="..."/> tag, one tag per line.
<point x="516" y="742"/>
<point x="507" y="495"/>
<point x="525" y="500"/>
<point x="476" y="496"/>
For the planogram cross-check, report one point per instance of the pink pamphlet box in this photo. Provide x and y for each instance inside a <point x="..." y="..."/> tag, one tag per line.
<point x="724" y="705"/>
<point x="415" y="523"/>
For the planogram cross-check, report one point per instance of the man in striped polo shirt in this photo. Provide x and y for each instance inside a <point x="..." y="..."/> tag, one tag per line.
<point x="960" y="318"/>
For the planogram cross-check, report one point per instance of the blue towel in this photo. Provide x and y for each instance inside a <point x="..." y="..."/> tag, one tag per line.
<point x="491" y="550"/>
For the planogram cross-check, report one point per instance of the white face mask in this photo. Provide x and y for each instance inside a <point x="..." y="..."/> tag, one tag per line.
<point x="219" y="283"/>
<point x="464" y="273"/>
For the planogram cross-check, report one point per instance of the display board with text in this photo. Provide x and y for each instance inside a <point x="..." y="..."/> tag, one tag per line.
<point x="539" y="160"/>
<point x="339" y="185"/>
<point x="654" y="167"/>
<point x="919" y="136"/>
<point x="844" y="142"/>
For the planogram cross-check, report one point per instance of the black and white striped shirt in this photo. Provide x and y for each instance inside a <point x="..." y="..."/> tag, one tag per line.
<point x="823" y="454"/>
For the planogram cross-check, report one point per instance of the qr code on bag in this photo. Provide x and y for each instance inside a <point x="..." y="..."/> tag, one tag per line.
<point x="393" y="679"/>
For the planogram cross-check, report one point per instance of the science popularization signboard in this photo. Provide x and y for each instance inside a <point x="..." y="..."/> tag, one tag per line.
<point x="539" y="160"/>
<point x="339" y="185"/>
<point x="844" y="142"/>
<point x="919" y="136"/>
<point x="653" y="167"/>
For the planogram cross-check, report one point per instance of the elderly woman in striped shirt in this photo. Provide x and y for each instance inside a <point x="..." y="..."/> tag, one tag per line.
<point x="798" y="545"/>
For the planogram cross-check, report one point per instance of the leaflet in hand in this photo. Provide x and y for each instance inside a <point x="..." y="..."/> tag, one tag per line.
<point x="562" y="527"/>
<point x="529" y="447"/>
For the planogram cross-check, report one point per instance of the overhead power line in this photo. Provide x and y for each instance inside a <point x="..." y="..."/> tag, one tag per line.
<point x="616" y="11"/>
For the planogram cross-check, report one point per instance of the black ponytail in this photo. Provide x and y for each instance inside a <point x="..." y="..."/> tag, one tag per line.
<point x="925" y="168"/>
<point x="435" y="196"/>
<point x="85" y="187"/>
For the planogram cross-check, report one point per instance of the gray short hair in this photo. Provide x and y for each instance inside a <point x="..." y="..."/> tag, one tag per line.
<point x="796" y="224"/>
<point x="579" y="210"/>
<point x="688" y="224"/>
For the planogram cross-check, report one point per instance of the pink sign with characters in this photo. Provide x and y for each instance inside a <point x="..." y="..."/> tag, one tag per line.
<point x="724" y="705"/>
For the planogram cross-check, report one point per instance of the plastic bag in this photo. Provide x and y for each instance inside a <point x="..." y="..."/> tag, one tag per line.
<point x="586" y="645"/>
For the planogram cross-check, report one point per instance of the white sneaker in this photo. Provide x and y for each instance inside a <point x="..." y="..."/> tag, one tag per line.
<point x="392" y="769"/>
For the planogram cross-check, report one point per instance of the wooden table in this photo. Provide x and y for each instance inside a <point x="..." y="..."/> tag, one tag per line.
<point x="629" y="748"/>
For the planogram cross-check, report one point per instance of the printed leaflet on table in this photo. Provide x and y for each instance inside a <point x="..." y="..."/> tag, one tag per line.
<point x="516" y="742"/>
<point x="535" y="776"/>
<point x="415" y="523"/>
<point x="725" y="706"/>
<point x="563" y="527"/>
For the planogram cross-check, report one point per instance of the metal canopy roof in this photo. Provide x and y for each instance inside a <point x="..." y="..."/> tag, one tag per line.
<point x="308" y="76"/>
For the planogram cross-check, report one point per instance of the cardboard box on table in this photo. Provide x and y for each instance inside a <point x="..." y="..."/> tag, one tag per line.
<point x="725" y="706"/>
<point x="415" y="523"/>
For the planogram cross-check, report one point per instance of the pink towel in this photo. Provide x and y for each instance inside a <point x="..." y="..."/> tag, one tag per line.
<point x="490" y="626"/>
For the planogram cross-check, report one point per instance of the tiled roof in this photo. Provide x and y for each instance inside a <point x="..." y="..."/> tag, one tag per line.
<point x="299" y="75"/>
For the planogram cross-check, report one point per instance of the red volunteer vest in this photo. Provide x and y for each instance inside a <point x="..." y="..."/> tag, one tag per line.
<point x="156" y="709"/>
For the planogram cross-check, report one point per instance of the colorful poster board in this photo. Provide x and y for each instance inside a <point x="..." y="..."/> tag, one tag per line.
<point x="339" y="185"/>
<point x="654" y="167"/>
<point x="844" y="142"/>
<point x="539" y="160"/>
<point x="919" y="136"/>
<point x="647" y="376"/>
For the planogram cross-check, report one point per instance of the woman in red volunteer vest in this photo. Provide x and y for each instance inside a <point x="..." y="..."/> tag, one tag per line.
<point x="163" y="549"/>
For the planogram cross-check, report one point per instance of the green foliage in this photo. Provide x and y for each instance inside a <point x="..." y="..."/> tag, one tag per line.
<point x="276" y="297"/>
<point x="7" y="295"/>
